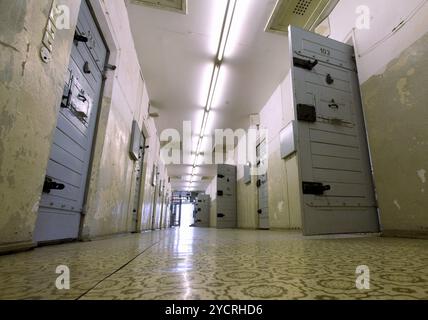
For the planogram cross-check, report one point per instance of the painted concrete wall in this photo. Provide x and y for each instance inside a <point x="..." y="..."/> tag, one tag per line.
<point x="284" y="203"/>
<point x="283" y="187"/>
<point x="393" y="73"/>
<point x="246" y="201"/>
<point x="30" y="92"/>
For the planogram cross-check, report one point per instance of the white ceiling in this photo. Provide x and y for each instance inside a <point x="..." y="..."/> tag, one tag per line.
<point x="177" y="51"/>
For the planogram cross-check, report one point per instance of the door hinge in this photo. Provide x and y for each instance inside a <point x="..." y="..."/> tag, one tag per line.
<point x="306" y="113"/>
<point x="315" y="188"/>
<point x="304" y="64"/>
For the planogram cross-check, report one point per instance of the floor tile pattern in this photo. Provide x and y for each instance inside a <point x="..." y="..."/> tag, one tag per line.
<point x="221" y="264"/>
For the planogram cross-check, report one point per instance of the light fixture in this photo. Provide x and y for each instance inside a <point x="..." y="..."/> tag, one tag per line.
<point x="213" y="86"/>
<point x="227" y="24"/>
<point x="225" y="31"/>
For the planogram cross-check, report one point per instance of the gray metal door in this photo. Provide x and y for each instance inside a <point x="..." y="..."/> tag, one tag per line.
<point x="262" y="186"/>
<point x="63" y="195"/>
<point x="335" y="175"/>
<point x="137" y="210"/>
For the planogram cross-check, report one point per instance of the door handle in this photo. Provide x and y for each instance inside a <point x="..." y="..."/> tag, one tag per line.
<point x="260" y="211"/>
<point x="333" y="105"/>
<point x="81" y="97"/>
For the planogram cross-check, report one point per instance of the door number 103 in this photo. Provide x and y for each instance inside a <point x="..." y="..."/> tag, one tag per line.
<point x="325" y="51"/>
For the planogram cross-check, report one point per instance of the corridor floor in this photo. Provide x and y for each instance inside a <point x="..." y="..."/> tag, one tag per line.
<point x="220" y="264"/>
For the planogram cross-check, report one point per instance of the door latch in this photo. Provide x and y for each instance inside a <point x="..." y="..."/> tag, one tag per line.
<point x="304" y="64"/>
<point x="52" y="185"/>
<point x="315" y="188"/>
<point x="80" y="38"/>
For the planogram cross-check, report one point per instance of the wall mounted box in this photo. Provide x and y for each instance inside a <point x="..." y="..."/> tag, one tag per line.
<point x="288" y="140"/>
<point x="134" y="149"/>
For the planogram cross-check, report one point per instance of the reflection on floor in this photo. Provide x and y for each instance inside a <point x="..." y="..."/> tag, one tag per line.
<point x="220" y="264"/>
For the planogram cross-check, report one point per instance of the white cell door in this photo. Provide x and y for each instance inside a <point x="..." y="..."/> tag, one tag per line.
<point x="335" y="172"/>
<point x="64" y="191"/>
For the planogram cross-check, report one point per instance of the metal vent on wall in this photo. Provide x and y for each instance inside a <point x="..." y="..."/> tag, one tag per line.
<point x="307" y="14"/>
<point x="301" y="7"/>
<point x="169" y="5"/>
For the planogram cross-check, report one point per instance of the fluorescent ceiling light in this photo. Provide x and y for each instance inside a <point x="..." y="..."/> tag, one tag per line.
<point x="213" y="86"/>
<point x="204" y="124"/>
<point x="227" y="24"/>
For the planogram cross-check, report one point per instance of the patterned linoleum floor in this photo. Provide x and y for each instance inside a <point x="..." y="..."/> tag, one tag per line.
<point x="220" y="264"/>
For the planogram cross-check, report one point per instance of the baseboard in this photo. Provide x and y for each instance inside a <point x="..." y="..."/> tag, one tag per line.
<point x="411" y="234"/>
<point x="15" y="247"/>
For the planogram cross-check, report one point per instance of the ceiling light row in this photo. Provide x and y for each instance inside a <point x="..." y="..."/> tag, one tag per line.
<point x="225" y="31"/>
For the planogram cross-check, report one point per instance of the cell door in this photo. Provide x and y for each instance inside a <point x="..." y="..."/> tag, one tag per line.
<point x="335" y="174"/>
<point x="262" y="187"/>
<point x="139" y="166"/>
<point x="63" y="195"/>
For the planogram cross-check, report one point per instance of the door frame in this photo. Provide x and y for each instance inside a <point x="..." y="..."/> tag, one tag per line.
<point x="104" y="28"/>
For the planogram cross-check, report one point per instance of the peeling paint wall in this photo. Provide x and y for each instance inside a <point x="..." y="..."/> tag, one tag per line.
<point x="396" y="110"/>
<point x="393" y="74"/>
<point x="30" y="93"/>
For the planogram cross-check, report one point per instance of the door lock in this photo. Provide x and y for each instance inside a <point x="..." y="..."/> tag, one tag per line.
<point x="52" y="185"/>
<point x="329" y="79"/>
